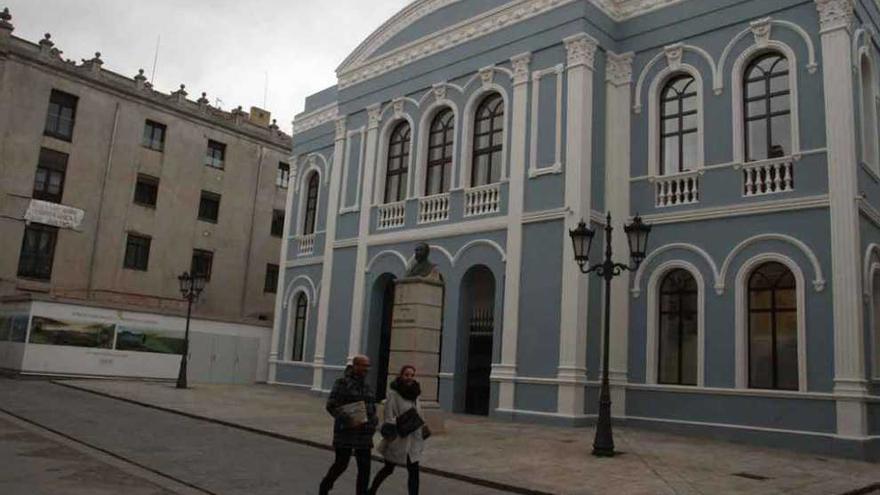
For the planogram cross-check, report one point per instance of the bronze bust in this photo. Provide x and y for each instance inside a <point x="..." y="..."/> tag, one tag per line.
<point x="421" y="266"/>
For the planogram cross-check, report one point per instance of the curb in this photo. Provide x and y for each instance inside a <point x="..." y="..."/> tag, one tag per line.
<point x="495" y="485"/>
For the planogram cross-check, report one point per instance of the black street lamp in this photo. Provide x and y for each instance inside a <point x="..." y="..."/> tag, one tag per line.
<point x="190" y="287"/>
<point x="582" y="238"/>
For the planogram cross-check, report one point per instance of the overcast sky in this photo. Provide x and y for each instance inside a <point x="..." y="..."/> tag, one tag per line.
<point x="223" y="47"/>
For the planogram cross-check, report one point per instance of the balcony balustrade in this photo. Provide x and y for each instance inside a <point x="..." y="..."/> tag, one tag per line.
<point x="433" y="209"/>
<point x="482" y="200"/>
<point x="680" y="189"/>
<point x="768" y="176"/>
<point x="391" y="215"/>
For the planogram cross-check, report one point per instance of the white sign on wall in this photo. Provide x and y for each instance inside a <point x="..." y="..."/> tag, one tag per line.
<point x="66" y="217"/>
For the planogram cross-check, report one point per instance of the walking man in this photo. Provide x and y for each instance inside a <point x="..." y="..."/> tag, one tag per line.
<point x="353" y="407"/>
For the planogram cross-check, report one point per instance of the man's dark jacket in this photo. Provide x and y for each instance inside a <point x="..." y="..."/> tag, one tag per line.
<point x="347" y="389"/>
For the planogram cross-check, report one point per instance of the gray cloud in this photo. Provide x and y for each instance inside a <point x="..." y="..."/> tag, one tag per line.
<point x="223" y="47"/>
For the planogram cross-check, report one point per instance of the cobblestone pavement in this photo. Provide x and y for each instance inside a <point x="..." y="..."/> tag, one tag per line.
<point x="213" y="458"/>
<point x="544" y="458"/>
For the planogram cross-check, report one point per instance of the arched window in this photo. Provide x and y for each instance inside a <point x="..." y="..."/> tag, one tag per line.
<point x="773" y="327"/>
<point x="299" y="328"/>
<point x="869" y="114"/>
<point x="767" y="105"/>
<point x="398" y="163"/>
<point x="678" y="125"/>
<point x="488" y="141"/>
<point x="440" y="144"/>
<point x="311" y="204"/>
<point x="678" y="338"/>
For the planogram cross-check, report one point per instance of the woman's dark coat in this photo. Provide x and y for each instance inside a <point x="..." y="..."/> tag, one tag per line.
<point x="347" y="389"/>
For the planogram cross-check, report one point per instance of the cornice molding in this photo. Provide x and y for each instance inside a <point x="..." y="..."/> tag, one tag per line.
<point x="305" y="121"/>
<point x="835" y="14"/>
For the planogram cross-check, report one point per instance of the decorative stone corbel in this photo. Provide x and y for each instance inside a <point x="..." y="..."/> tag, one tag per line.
<point x="340" y="128"/>
<point x="674" y="54"/>
<point x="487" y="76"/>
<point x="762" y="29"/>
<point x="398" y="107"/>
<point x="521" y="68"/>
<point x="374" y="113"/>
<point x="619" y="69"/>
<point x="439" y="91"/>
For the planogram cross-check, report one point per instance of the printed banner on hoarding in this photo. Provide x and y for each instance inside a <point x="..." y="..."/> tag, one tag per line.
<point x="57" y="332"/>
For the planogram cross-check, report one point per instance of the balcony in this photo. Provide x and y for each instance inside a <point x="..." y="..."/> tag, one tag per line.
<point x="433" y="209"/>
<point x="676" y="190"/>
<point x="305" y="245"/>
<point x="771" y="176"/>
<point x="391" y="215"/>
<point x="482" y="200"/>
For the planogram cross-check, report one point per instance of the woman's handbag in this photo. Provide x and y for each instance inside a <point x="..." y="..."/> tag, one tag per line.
<point x="388" y="430"/>
<point x="409" y="422"/>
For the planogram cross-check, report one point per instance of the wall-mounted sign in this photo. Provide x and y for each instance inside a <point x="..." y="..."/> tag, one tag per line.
<point x="66" y="217"/>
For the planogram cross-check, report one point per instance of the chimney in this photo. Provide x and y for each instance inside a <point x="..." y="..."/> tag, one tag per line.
<point x="260" y="117"/>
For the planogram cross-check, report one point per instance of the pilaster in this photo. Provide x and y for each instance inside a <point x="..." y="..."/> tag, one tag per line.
<point x="581" y="52"/>
<point x="329" y="240"/>
<point x="836" y="19"/>
<point x="357" y="305"/>
<point x="506" y="369"/>
<point x="618" y="88"/>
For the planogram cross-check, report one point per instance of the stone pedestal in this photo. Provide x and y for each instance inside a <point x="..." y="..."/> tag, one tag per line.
<point x="416" y="328"/>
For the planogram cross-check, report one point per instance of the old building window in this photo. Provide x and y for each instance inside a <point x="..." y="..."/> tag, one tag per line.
<point x="271" y="284"/>
<point x="277" y="223"/>
<point x="311" y="211"/>
<point x="767" y="107"/>
<point x="209" y="207"/>
<point x="146" y="190"/>
<point x="440" y="148"/>
<point x="37" y="251"/>
<point x="678" y="125"/>
<point x="61" y="115"/>
<point x="397" y="170"/>
<point x="154" y="136"/>
<point x="49" y="179"/>
<point x="215" y="155"/>
<point x="773" y="328"/>
<point x="137" y="252"/>
<point x="678" y="329"/>
<point x="201" y="263"/>
<point x="282" y="179"/>
<point x="299" y="327"/>
<point x="488" y="141"/>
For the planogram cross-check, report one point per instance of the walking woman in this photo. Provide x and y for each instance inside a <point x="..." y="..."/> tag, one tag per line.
<point x="401" y="449"/>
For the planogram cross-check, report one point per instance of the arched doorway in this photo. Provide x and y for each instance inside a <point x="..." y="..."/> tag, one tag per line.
<point x="379" y="343"/>
<point x="478" y="318"/>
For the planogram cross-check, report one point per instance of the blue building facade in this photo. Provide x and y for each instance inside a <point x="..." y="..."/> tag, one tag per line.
<point x="744" y="131"/>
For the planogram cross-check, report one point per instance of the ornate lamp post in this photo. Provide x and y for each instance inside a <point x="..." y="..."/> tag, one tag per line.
<point x="190" y="287"/>
<point x="582" y="238"/>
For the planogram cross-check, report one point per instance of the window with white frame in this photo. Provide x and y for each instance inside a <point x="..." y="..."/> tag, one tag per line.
<point x="397" y="171"/>
<point x="440" y="148"/>
<point x="869" y="115"/>
<point x="299" y="327"/>
<point x="311" y="206"/>
<point x="773" y="328"/>
<point x="678" y="338"/>
<point x="679" y="125"/>
<point x="488" y="141"/>
<point x="767" y="107"/>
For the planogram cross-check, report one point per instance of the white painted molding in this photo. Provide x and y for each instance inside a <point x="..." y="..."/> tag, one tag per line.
<point x="315" y="260"/>
<point x="652" y="348"/>
<point x="674" y="55"/>
<point x="640" y="273"/>
<point x="872" y="300"/>
<point x="580" y="49"/>
<point x="287" y="352"/>
<point x="382" y="164"/>
<point x="536" y="169"/>
<point x="421" y="151"/>
<point x="311" y="290"/>
<point x="345" y="243"/>
<point x="737" y="75"/>
<point x="362" y="132"/>
<point x="868" y="111"/>
<point x="738" y="210"/>
<point x="303" y="197"/>
<point x="818" y="280"/>
<point x="478" y="242"/>
<point x="741" y="320"/>
<point x="469" y="115"/>
<point x="439" y="231"/>
<point x="545" y="215"/>
<point x="654" y="127"/>
<point x="386" y="254"/>
<point x="318" y="117"/>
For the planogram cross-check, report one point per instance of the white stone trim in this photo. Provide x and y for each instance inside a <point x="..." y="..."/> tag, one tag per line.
<point x="306" y="121"/>
<point x="467" y="138"/>
<point x="486" y="242"/>
<point x="303" y="197"/>
<point x="544" y="215"/>
<point x="738" y="392"/>
<point x="741" y="320"/>
<point x="873" y="301"/>
<point x="640" y="273"/>
<point x="345" y="243"/>
<point x="654" y="127"/>
<point x="652" y="348"/>
<point x="345" y="208"/>
<point x="738" y="210"/>
<point x="736" y="85"/>
<point x="386" y="253"/>
<point x="868" y="128"/>
<point x="314" y="260"/>
<point x="291" y="315"/>
<point x="535" y="169"/>
<point x="674" y="55"/>
<point x="818" y="280"/>
<point x="872" y="255"/>
<point x="439" y="231"/>
<point x="382" y="164"/>
<point x="311" y="289"/>
<point x="421" y="152"/>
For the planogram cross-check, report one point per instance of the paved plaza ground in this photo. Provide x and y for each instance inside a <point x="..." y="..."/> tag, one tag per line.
<point x="542" y="459"/>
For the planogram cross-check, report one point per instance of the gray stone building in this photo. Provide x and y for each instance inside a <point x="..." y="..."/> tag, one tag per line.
<point x="110" y="189"/>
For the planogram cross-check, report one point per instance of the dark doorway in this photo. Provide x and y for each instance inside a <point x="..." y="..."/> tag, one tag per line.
<point x="479" y="290"/>
<point x="385" y="340"/>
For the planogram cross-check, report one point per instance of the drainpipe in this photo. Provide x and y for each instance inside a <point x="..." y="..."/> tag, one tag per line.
<point x="101" y="202"/>
<point x="250" y="244"/>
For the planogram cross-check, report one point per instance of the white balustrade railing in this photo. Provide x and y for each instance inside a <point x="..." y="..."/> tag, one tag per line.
<point x="305" y="245"/>
<point x="434" y="208"/>
<point x="768" y="176"/>
<point x="391" y="215"/>
<point x="680" y="189"/>
<point x="483" y="200"/>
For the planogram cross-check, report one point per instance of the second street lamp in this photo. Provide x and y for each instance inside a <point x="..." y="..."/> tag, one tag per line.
<point x="190" y="288"/>
<point x="582" y="239"/>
